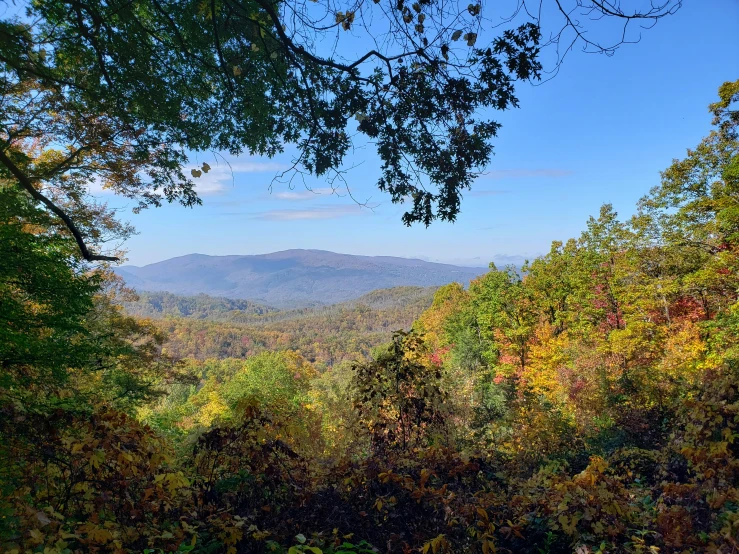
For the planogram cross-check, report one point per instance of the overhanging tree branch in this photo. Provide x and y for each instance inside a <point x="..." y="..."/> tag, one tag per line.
<point x="177" y="76"/>
<point x="25" y="183"/>
<point x="300" y="50"/>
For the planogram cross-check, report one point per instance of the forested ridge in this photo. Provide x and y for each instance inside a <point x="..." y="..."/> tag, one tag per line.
<point x="164" y="304"/>
<point x="203" y="328"/>
<point x="586" y="403"/>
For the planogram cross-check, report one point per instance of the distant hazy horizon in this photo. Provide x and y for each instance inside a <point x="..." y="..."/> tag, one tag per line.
<point x="291" y="278"/>
<point x="478" y="262"/>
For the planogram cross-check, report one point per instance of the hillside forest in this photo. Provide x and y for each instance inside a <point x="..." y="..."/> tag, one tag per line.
<point x="588" y="402"/>
<point x="202" y="327"/>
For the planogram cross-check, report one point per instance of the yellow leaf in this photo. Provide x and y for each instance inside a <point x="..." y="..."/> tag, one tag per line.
<point x="97" y="459"/>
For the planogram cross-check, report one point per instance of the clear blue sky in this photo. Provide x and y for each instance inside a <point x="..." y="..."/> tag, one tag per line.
<point x="599" y="132"/>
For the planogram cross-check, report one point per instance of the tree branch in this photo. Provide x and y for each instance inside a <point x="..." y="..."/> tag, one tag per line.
<point x="26" y="184"/>
<point x="217" y="40"/>
<point x="297" y="49"/>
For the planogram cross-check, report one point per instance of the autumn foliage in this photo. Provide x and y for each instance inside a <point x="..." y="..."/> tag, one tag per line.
<point x="587" y="402"/>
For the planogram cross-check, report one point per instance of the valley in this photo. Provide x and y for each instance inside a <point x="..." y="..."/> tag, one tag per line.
<point x="203" y="327"/>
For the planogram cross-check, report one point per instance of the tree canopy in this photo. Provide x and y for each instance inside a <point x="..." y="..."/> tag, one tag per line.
<point x="584" y="403"/>
<point x="122" y="93"/>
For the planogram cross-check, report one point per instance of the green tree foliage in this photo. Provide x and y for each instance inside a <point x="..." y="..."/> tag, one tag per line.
<point x="61" y="327"/>
<point x="43" y="297"/>
<point x="165" y="304"/>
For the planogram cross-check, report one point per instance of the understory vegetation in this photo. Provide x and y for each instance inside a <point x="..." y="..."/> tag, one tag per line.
<point x="586" y="403"/>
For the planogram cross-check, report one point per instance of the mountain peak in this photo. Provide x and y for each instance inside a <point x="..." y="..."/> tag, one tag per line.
<point x="290" y="278"/>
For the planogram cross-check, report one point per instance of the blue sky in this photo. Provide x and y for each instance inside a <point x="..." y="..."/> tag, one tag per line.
<point x="599" y="132"/>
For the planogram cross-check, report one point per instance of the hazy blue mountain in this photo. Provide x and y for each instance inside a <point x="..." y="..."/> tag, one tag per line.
<point x="292" y="278"/>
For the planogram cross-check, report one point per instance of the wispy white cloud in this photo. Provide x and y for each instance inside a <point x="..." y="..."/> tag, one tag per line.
<point x="96" y="187"/>
<point x="527" y="173"/>
<point x="217" y="180"/>
<point x="254" y="167"/>
<point x="313" y="213"/>
<point x="307" y="194"/>
<point x="222" y="175"/>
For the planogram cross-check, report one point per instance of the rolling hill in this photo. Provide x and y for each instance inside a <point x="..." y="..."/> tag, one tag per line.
<point x="202" y="327"/>
<point x="291" y="278"/>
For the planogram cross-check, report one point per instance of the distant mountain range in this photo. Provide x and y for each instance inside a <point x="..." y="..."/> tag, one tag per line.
<point x="291" y="278"/>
